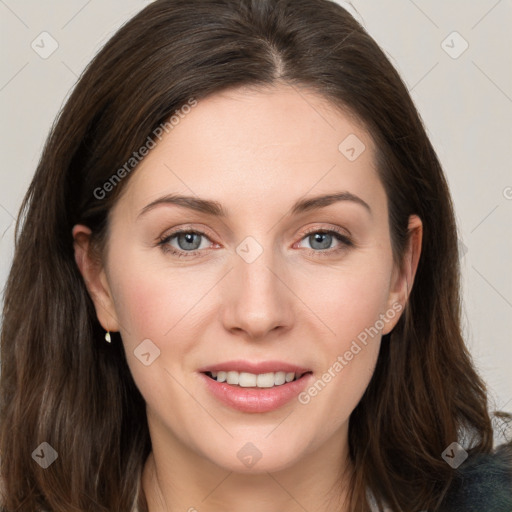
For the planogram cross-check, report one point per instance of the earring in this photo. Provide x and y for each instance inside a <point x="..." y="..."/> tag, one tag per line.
<point x="107" y="337"/>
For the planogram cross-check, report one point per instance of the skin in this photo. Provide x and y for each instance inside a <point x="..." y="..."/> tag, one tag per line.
<point x="256" y="152"/>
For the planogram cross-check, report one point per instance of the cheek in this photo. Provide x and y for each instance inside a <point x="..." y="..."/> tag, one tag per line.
<point x="166" y="305"/>
<point x="352" y="304"/>
<point x="150" y="302"/>
<point x="348" y="300"/>
<point x="156" y="305"/>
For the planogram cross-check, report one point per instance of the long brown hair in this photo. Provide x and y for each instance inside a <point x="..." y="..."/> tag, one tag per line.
<point x="62" y="384"/>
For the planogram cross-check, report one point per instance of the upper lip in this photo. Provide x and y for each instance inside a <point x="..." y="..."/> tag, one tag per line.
<point x="255" y="368"/>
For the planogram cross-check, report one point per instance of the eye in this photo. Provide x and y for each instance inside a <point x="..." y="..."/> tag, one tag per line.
<point x="184" y="242"/>
<point x="321" y="241"/>
<point x="189" y="243"/>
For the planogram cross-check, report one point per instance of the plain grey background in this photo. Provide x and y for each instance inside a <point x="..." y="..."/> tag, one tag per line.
<point x="455" y="59"/>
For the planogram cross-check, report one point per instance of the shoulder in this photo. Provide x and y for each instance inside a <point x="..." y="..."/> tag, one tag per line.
<point x="483" y="482"/>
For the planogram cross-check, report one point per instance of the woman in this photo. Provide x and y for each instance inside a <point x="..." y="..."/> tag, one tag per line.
<point x="236" y="282"/>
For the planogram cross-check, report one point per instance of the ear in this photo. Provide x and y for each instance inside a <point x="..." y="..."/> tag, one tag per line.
<point x="95" y="278"/>
<point x="403" y="278"/>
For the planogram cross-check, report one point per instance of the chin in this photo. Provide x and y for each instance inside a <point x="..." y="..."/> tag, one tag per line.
<point x="257" y="456"/>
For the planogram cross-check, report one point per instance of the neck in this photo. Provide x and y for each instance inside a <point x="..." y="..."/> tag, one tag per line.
<point x="182" y="480"/>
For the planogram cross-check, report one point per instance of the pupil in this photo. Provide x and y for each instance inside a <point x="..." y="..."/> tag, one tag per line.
<point x="318" y="238"/>
<point x="188" y="239"/>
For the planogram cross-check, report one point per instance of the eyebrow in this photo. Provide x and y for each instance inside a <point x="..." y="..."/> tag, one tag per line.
<point x="214" y="208"/>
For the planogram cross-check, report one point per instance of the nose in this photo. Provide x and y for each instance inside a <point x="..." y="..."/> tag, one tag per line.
<point x="257" y="299"/>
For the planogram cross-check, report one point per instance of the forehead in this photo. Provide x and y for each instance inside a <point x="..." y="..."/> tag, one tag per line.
<point x="259" y="147"/>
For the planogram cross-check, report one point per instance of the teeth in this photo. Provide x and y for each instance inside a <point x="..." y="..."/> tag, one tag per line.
<point x="233" y="378"/>
<point x="280" y="378"/>
<point x="247" y="380"/>
<point x="251" y="380"/>
<point x="265" y="380"/>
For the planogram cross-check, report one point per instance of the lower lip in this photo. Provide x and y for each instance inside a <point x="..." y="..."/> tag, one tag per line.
<point x="256" y="399"/>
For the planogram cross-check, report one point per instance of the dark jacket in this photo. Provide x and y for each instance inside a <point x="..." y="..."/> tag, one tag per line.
<point x="483" y="484"/>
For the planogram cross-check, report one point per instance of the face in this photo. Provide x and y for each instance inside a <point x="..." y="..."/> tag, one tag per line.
<point x="263" y="284"/>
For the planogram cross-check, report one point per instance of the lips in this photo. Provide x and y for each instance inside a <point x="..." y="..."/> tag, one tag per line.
<point x="255" y="387"/>
<point x="255" y="368"/>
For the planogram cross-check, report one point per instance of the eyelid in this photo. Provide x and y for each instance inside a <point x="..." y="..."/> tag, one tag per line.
<point x="336" y="229"/>
<point x="187" y="228"/>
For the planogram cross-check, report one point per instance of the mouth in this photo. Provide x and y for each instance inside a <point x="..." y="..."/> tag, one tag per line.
<point x="253" y="380"/>
<point x="255" y="387"/>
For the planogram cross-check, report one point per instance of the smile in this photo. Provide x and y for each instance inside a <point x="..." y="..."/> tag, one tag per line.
<point x="248" y="380"/>
<point x="255" y="387"/>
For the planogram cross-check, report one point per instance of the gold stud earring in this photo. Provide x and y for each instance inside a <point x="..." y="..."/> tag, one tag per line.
<point x="107" y="337"/>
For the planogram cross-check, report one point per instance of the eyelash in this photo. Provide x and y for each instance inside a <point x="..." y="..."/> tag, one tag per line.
<point x="338" y="235"/>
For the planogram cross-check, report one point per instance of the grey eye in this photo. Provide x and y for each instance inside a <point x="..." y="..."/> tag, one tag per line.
<point x="188" y="241"/>
<point x="320" y="241"/>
